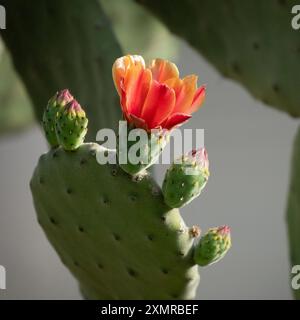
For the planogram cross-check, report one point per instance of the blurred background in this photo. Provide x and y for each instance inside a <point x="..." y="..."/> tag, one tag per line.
<point x="249" y="147"/>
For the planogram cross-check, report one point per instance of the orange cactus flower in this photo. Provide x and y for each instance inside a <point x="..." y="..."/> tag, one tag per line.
<point x="154" y="96"/>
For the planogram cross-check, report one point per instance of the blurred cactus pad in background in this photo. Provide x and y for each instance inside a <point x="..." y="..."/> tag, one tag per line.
<point x="251" y="42"/>
<point x="86" y="31"/>
<point x="16" y="111"/>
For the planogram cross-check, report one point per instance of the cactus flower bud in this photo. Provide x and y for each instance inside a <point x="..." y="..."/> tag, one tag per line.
<point x="55" y="104"/>
<point x="212" y="246"/>
<point x="186" y="178"/>
<point x="71" y="126"/>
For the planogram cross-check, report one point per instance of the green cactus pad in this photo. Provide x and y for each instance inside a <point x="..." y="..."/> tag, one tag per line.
<point x="115" y="234"/>
<point x="15" y="109"/>
<point x="139" y="32"/>
<point x="293" y="209"/>
<point x="251" y="41"/>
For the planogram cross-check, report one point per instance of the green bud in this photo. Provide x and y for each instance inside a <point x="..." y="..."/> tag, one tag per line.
<point x="71" y="126"/>
<point x="186" y="178"/>
<point x="55" y="104"/>
<point x="212" y="246"/>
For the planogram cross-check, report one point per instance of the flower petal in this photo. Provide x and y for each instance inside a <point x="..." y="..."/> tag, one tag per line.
<point x="185" y="94"/>
<point x="163" y="70"/>
<point x="122" y="65"/>
<point x="158" y="105"/>
<point x="176" y="119"/>
<point x="137" y="84"/>
<point x="199" y="98"/>
<point x="123" y="99"/>
<point x="174" y="83"/>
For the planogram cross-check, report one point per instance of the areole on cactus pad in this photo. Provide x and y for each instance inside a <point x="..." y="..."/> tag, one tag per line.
<point x="131" y="244"/>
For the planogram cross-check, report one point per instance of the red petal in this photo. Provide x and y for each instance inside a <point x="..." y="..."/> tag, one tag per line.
<point x="137" y="87"/>
<point x="133" y="86"/>
<point x="185" y="94"/>
<point x="176" y="119"/>
<point x="121" y="67"/>
<point x="158" y="105"/>
<point x="123" y="99"/>
<point x="163" y="70"/>
<point x="199" y="98"/>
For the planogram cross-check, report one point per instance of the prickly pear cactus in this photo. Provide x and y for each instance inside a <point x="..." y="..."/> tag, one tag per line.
<point x="116" y="235"/>
<point x="252" y="42"/>
<point x="113" y="230"/>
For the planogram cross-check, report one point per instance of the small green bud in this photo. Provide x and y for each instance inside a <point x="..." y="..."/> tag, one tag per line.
<point x="55" y="104"/>
<point x="71" y="126"/>
<point x="186" y="178"/>
<point x="212" y="246"/>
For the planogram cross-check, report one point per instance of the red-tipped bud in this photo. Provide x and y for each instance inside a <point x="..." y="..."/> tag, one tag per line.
<point x="55" y="104"/>
<point x="213" y="246"/>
